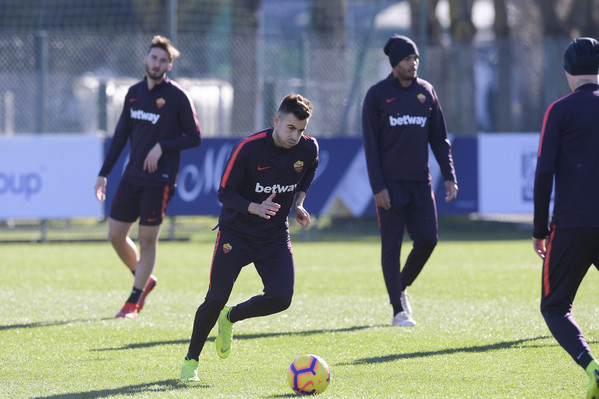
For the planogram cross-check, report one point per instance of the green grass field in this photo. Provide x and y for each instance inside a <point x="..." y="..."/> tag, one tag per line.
<point x="479" y="332"/>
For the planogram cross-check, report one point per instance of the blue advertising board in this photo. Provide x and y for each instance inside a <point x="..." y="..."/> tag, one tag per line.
<point x="341" y="176"/>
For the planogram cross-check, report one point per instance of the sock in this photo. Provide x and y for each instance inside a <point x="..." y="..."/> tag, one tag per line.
<point x="591" y="367"/>
<point x="133" y="272"/>
<point x="584" y="359"/>
<point x="197" y="359"/>
<point x="135" y="294"/>
<point x="229" y="315"/>
<point x="397" y="309"/>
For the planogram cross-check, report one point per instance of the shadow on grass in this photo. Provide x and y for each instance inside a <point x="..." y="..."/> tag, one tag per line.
<point x="449" y="351"/>
<point x="51" y="323"/>
<point x="236" y="337"/>
<point x="153" y="387"/>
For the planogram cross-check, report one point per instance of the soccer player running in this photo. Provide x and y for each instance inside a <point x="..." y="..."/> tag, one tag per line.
<point x="159" y="120"/>
<point x="401" y="116"/>
<point x="568" y="151"/>
<point x="267" y="174"/>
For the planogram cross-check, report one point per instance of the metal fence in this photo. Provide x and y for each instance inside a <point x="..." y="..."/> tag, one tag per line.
<point x="71" y="79"/>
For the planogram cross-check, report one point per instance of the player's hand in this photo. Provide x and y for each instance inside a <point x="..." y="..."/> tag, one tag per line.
<point x="151" y="161"/>
<point x="266" y="209"/>
<point x="382" y="199"/>
<point x="539" y="244"/>
<point x="451" y="190"/>
<point x="100" y="188"/>
<point x="301" y="215"/>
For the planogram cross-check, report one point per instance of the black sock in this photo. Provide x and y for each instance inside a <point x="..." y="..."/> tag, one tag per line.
<point x="584" y="359"/>
<point x="229" y="316"/>
<point x="135" y="294"/>
<point x="133" y="272"/>
<point x="197" y="359"/>
<point x="397" y="309"/>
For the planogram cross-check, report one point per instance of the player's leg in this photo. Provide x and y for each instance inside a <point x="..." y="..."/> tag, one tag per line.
<point x="391" y="226"/>
<point x="570" y="254"/>
<point x="124" y="211"/>
<point x="227" y="261"/>
<point x="148" y="245"/>
<point x="276" y="268"/>
<point x="422" y="227"/>
<point x="152" y="203"/>
<point x="118" y="235"/>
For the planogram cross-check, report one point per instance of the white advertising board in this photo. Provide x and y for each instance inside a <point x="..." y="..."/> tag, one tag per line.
<point x="506" y="164"/>
<point x="49" y="176"/>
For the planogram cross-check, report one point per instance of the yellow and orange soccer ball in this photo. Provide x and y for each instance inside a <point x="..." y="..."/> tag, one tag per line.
<point x="308" y="375"/>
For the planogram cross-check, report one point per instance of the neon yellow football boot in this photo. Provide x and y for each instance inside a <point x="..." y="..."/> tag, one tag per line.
<point x="189" y="370"/>
<point x="225" y="333"/>
<point x="593" y="387"/>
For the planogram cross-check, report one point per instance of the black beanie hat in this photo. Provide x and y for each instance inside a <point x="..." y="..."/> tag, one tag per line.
<point x="582" y="57"/>
<point x="399" y="47"/>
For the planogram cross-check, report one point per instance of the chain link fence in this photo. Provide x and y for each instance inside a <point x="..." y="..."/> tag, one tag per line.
<point x="65" y="66"/>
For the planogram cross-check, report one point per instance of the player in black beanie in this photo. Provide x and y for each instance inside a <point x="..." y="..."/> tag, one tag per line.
<point x="401" y="118"/>
<point x="582" y="57"/>
<point x="399" y="47"/>
<point x="567" y="237"/>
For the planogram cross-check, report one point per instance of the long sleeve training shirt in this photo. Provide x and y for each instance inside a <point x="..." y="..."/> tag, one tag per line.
<point x="398" y="124"/>
<point x="568" y="152"/>
<point x="162" y="115"/>
<point x="256" y="169"/>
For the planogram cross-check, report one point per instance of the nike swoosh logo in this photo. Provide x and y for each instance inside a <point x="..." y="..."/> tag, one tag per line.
<point x="224" y="350"/>
<point x="152" y="220"/>
<point x="263" y="167"/>
<point x="390" y="99"/>
<point x="131" y="100"/>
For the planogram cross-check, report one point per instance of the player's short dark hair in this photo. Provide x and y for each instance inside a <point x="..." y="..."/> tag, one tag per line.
<point x="165" y="44"/>
<point x="297" y="105"/>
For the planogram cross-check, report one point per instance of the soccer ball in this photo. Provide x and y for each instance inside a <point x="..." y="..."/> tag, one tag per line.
<point x="308" y="375"/>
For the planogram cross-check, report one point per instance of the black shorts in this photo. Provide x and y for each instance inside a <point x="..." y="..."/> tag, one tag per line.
<point x="148" y="203"/>
<point x="272" y="258"/>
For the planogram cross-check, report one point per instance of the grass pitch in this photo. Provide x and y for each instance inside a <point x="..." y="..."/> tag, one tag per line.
<point x="479" y="332"/>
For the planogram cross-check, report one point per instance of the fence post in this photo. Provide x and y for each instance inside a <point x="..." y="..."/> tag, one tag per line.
<point x="42" y="57"/>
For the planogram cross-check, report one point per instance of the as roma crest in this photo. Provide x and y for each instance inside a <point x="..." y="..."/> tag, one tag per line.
<point x="298" y="166"/>
<point x="227" y="248"/>
<point x="160" y="102"/>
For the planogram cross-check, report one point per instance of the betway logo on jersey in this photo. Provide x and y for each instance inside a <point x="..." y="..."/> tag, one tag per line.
<point x="407" y="120"/>
<point x="275" y="188"/>
<point x="144" y="116"/>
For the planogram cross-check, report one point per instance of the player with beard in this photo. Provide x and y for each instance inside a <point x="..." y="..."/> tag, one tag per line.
<point x="159" y="120"/>
<point x="401" y="116"/>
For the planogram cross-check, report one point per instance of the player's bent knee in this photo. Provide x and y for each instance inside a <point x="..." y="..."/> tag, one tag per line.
<point x="115" y="239"/>
<point x="554" y="309"/>
<point x="280" y="303"/>
<point x="428" y="244"/>
<point x="213" y="304"/>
